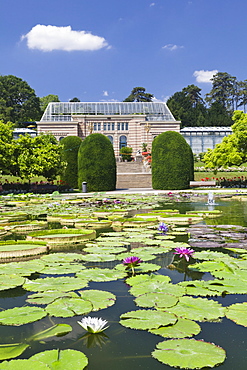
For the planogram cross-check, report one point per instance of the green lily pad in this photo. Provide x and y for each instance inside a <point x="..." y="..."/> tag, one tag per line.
<point x="199" y="309"/>
<point x="10" y="281"/>
<point x="21" y="315"/>
<point x="63" y="284"/>
<point x="62" y="257"/>
<point x="69" y="307"/>
<point x="209" y="255"/>
<point x="62" y="269"/>
<point x="100" y="249"/>
<point x="22" y="268"/>
<point x="98" y="298"/>
<point x="144" y="267"/>
<point x="143" y="256"/>
<point x="147" y="319"/>
<point x="98" y="274"/>
<point x="181" y="329"/>
<point x="59" y="360"/>
<point x="49" y="297"/>
<point x="156" y="300"/>
<point x="99" y="257"/>
<point x="12" y="350"/>
<point x="55" y="330"/>
<point x="189" y="353"/>
<point x="24" y="364"/>
<point x="238" y="313"/>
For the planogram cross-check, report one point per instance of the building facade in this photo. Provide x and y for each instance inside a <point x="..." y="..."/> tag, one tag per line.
<point x="124" y="123"/>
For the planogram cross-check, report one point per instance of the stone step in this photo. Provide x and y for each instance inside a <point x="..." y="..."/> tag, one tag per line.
<point x="131" y="167"/>
<point x="134" y="180"/>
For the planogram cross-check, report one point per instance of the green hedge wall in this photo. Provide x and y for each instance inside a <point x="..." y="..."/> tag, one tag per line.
<point x="97" y="163"/>
<point x="70" y="150"/>
<point x="172" y="162"/>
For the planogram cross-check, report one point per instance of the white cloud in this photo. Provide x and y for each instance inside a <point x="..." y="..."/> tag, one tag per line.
<point x="204" y="76"/>
<point x="49" y="38"/>
<point x="105" y="93"/>
<point x="152" y="4"/>
<point x="172" y="47"/>
<point x="162" y="100"/>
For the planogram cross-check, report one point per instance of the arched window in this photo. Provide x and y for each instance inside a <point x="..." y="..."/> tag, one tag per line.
<point x="110" y="138"/>
<point x="122" y="141"/>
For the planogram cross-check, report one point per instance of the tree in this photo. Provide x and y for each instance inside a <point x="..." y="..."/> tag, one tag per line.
<point x="126" y="153"/>
<point x="233" y="148"/>
<point x="194" y="94"/>
<point x="97" y="163"/>
<point x="45" y="100"/>
<point x="75" y="100"/>
<point x="18" y="101"/>
<point x="172" y="160"/>
<point x="70" y="150"/>
<point x="217" y="115"/>
<point x="139" y="94"/>
<point x="7" y="148"/>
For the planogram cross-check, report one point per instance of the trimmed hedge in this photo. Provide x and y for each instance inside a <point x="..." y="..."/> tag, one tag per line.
<point x="97" y="164"/>
<point x="70" y="150"/>
<point x="172" y="158"/>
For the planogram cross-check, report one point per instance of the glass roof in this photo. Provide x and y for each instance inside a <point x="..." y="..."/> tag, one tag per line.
<point x="64" y="111"/>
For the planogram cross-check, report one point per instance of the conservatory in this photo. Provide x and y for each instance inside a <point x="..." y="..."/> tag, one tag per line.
<point x="124" y="123"/>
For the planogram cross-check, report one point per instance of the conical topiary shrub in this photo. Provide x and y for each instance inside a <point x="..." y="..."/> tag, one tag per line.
<point x="172" y="166"/>
<point x="70" y="149"/>
<point x="97" y="164"/>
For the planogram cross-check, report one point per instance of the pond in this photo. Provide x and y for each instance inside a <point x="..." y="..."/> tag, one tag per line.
<point x="123" y="345"/>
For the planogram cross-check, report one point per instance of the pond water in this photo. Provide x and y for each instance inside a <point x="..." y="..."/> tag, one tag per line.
<point x="122" y="348"/>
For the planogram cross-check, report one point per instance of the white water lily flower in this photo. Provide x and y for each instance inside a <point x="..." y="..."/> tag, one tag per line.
<point x="93" y="324"/>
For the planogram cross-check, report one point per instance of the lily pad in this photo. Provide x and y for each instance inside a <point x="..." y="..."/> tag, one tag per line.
<point x="199" y="309"/>
<point x="69" y="307"/>
<point x="24" y="364"/>
<point x="63" y="284"/>
<point x="156" y="300"/>
<point x="98" y="298"/>
<point x="189" y="353"/>
<point x="98" y="274"/>
<point x="99" y="257"/>
<point x="181" y="329"/>
<point x="144" y="267"/>
<point x="62" y="257"/>
<point x="55" y="330"/>
<point x="59" y="360"/>
<point x="10" y="281"/>
<point x="147" y="319"/>
<point x="49" y="297"/>
<point x="12" y="350"/>
<point x="238" y="313"/>
<point x="21" y="315"/>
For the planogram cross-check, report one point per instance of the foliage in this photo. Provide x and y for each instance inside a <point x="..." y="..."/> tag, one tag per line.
<point x="70" y="150"/>
<point x="45" y="100"/>
<point x="171" y="162"/>
<point x="18" y="101"/>
<point x="7" y="147"/>
<point x="126" y="153"/>
<point x="233" y="148"/>
<point x="97" y="163"/>
<point x="139" y="94"/>
<point x="74" y="100"/>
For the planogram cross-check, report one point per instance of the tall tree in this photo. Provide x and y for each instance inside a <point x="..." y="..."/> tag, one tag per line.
<point x="7" y="148"/>
<point x="224" y="91"/>
<point x="139" y="94"/>
<point x="45" y="100"/>
<point x="74" y="100"/>
<point x="194" y="94"/>
<point x="242" y="94"/>
<point x="18" y="101"/>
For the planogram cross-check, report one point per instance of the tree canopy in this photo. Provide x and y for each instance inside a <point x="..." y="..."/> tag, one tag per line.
<point x="45" y="100"/>
<point x="233" y="148"/>
<point x="18" y="101"/>
<point x="139" y="94"/>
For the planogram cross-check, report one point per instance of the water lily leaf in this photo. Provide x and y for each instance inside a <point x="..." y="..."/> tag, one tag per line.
<point x="63" y="284"/>
<point x="183" y="328"/>
<point x="56" y="330"/>
<point x="208" y="266"/>
<point x="12" y="350"/>
<point x="165" y="237"/>
<point x="203" y="288"/>
<point x="69" y="307"/>
<point x="144" y="267"/>
<point x="147" y="319"/>
<point x="59" y="360"/>
<point x="151" y="250"/>
<point x="99" y="299"/>
<point x="21" y="315"/>
<point x="100" y="249"/>
<point x="199" y="309"/>
<point x="49" y="297"/>
<point x="157" y="284"/>
<point x="141" y="278"/>
<point x="156" y="300"/>
<point x="98" y="274"/>
<point x="208" y="255"/>
<point x="189" y="353"/>
<point x="10" y="281"/>
<point x="236" y="274"/>
<point x="24" y="364"/>
<point x="238" y="313"/>
<point x="143" y="256"/>
<point x="22" y="268"/>
<point x="62" y="269"/>
<point x="62" y="257"/>
<point x="234" y="286"/>
<point x="99" y="257"/>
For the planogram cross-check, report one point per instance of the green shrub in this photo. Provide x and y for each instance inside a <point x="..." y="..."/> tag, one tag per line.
<point x="97" y="163"/>
<point x="126" y="153"/>
<point x="70" y="149"/>
<point x="172" y="158"/>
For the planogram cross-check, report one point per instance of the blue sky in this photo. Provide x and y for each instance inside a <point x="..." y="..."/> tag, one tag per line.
<point x="98" y="50"/>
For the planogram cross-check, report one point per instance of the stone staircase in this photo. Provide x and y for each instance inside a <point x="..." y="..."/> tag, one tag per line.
<point x="133" y="175"/>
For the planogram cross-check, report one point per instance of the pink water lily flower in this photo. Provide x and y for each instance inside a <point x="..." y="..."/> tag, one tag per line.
<point x="184" y="252"/>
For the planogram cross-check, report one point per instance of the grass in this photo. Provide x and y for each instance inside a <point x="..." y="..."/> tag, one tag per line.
<point x="212" y="176"/>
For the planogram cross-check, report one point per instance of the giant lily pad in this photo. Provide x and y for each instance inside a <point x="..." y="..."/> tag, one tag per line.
<point x="21" y="315"/>
<point x="147" y="319"/>
<point x="181" y="329"/>
<point x="238" y="313"/>
<point x="10" y="281"/>
<point x="189" y="353"/>
<point x="63" y="284"/>
<point x="199" y="309"/>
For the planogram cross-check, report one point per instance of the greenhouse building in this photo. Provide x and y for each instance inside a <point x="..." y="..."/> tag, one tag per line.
<point x="124" y="123"/>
